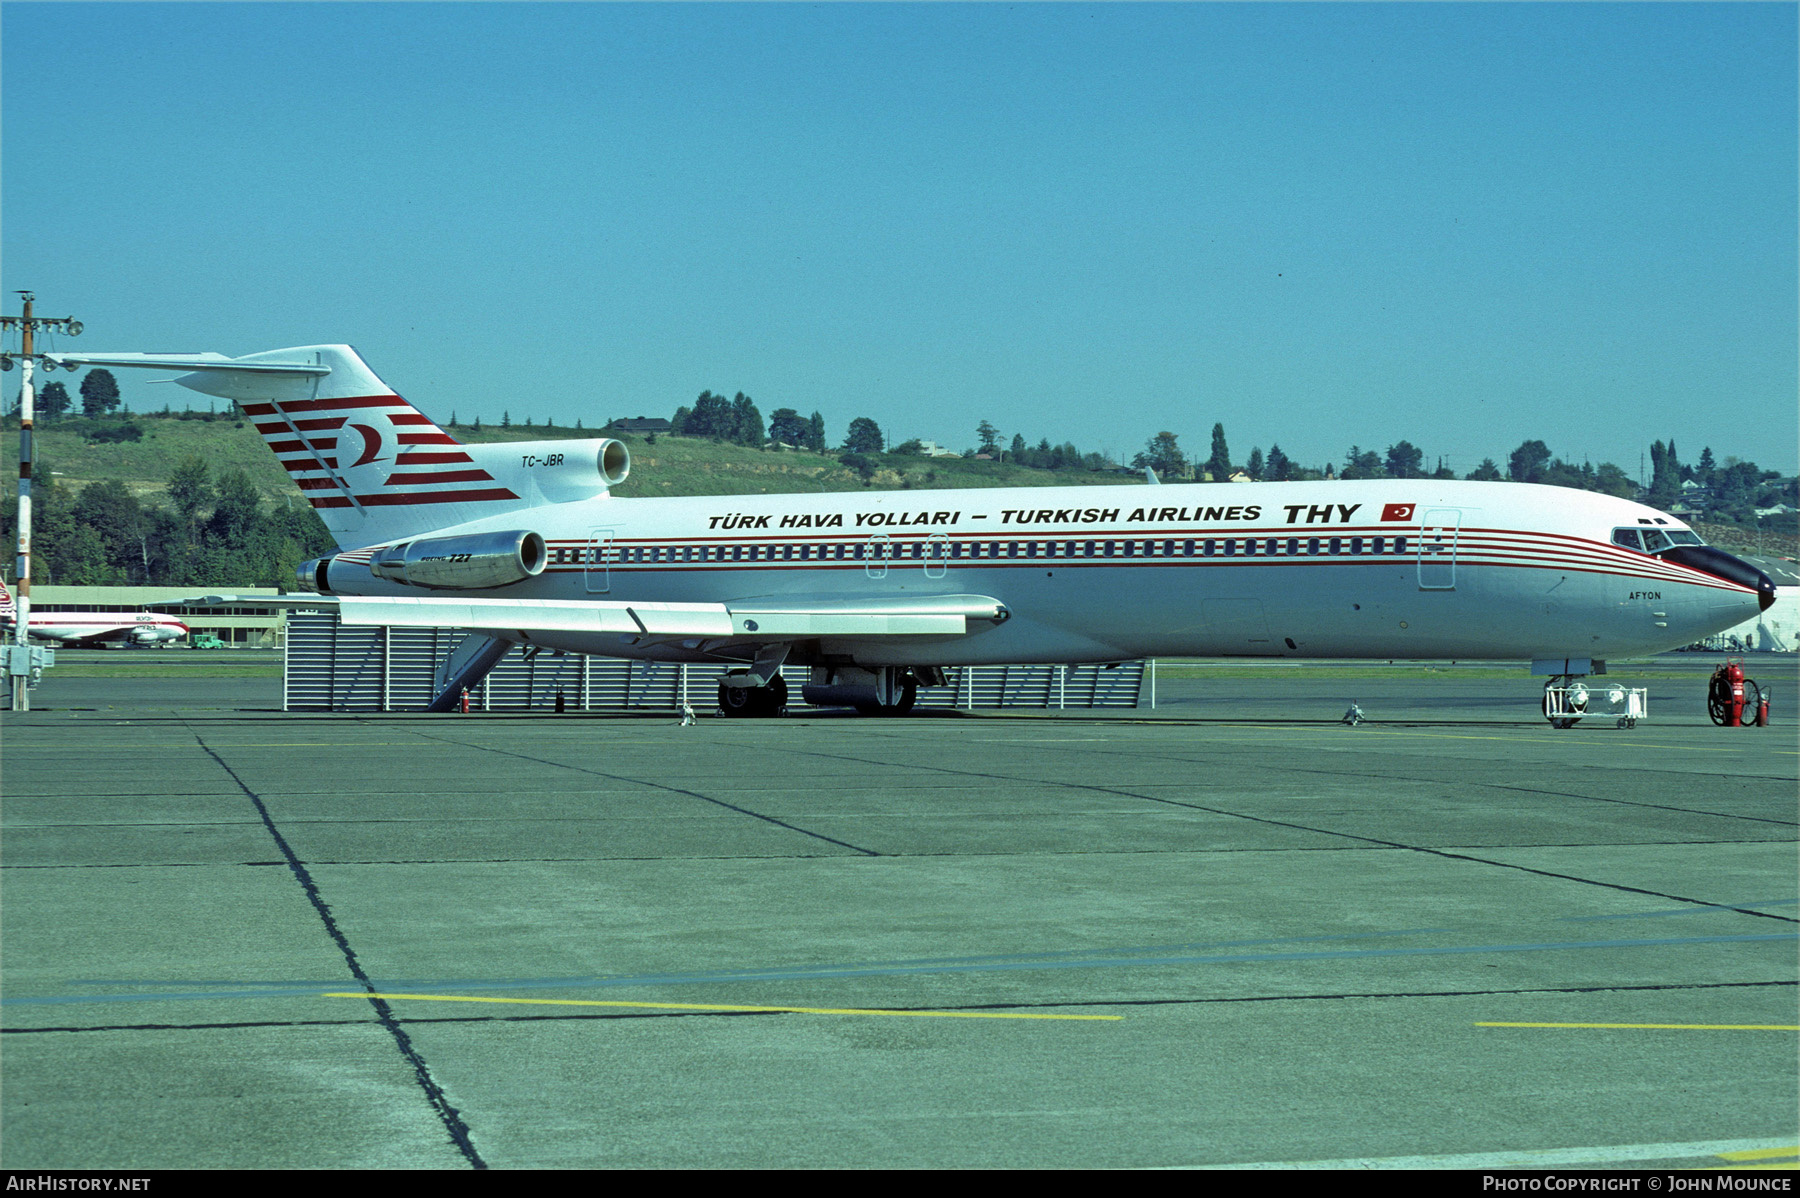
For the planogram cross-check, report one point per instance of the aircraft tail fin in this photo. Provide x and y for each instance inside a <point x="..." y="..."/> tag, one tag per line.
<point x="375" y="467"/>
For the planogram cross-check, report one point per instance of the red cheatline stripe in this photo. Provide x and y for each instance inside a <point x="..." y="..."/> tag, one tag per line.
<point x="408" y="418"/>
<point x="295" y="465"/>
<point x="389" y="400"/>
<point x="440" y="476"/>
<point x="280" y="428"/>
<point x="426" y="439"/>
<point x="303" y="447"/>
<point x="331" y="501"/>
<point x="391" y="500"/>
<point x="424" y="458"/>
<point x="317" y="484"/>
<point x="257" y="409"/>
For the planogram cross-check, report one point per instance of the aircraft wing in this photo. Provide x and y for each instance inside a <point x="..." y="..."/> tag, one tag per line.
<point x="762" y="620"/>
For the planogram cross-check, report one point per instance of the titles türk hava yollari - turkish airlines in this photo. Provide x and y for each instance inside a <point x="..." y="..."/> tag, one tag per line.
<point x="91" y="627"/>
<point x="877" y="591"/>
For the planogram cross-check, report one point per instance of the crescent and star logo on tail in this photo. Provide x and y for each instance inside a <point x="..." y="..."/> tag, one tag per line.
<point x="372" y="444"/>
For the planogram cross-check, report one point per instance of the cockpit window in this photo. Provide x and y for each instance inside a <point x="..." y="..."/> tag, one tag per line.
<point x="1653" y="540"/>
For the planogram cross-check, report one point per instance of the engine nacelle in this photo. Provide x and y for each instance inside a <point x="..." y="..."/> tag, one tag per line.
<point x="558" y="471"/>
<point x="472" y="562"/>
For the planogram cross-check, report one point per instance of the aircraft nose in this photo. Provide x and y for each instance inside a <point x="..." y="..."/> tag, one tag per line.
<point x="1723" y="565"/>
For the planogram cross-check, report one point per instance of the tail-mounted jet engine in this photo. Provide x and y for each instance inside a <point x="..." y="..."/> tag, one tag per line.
<point x="467" y="563"/>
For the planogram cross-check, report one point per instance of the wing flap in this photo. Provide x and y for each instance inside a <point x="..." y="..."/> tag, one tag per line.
<point x="764" y="620"/>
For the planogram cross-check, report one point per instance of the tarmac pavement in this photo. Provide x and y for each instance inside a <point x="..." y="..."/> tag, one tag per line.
<point x="1233" y="931"/>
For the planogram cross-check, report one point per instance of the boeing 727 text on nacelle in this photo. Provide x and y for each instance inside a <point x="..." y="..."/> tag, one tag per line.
<point x="523" y="543"/>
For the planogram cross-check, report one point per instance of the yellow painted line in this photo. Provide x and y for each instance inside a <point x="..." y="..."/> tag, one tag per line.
<point x="688" y="1006"/>
<point x="1760" y="1154"/>
<point x="1699" y="1027"/>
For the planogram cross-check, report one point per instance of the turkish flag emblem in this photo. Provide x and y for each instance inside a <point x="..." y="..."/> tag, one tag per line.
<point x="1398" y="511"/>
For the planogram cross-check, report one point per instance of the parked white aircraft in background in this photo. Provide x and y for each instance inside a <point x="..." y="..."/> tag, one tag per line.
<point x="522" y="543"/>
<point x="90" y="627"/>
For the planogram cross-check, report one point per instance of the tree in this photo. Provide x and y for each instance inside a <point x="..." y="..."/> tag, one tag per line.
<point x="506" y="418"/>
<point x="788" y="427"/>
<point x="1487" y="472"/>
<point x="190" y="487"/>
<point x="1405" y="460"/>
<point x="746" y="422"/>
<point x="1362" y="463"/>
<point x="99" y="392"/>
<point x="1528" y="462"/>
<point x="1018" y="446"/>
<point x="1610" y="480"/>
<point x="1254" y="467"/>
<point x="117" y="518"/>
<point x="237" y="509"/>
<point x="815" y="437"/>
<point x="864" y="436"/>
<point x="1162" y="455"/>
<point x="1219" y="464"/>
<point x="990" y="438"/>
<point x="1278" y="468"/>
<point x="53" y="401"/>
<point x="1665" y="476"/>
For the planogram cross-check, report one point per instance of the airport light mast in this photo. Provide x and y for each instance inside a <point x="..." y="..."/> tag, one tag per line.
<point x="23" y="663"/>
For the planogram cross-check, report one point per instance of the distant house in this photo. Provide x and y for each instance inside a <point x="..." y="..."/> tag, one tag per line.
<point x="932" y="449"/>
<point x="639" y="425"/>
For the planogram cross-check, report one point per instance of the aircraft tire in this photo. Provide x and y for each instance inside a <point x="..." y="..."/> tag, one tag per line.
<point x="752" y="702"/>
<point x="909" y="694"/>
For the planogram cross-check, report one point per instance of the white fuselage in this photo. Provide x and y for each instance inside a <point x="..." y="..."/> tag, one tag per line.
<point x="77" y="627"/>
<point x="1373" y="569"/>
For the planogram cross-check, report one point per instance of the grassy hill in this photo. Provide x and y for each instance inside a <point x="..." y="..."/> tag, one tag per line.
<point x="68" y="452"/>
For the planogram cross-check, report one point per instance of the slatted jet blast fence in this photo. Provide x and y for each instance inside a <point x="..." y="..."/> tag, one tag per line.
<point x="350" y="667"/>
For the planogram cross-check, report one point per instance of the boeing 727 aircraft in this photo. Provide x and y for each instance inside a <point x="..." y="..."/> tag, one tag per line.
<point x="91" y="627"/>
<point x="523" y="543"/>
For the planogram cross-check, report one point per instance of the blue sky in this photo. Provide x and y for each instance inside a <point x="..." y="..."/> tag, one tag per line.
<point x="1464" y="225"/>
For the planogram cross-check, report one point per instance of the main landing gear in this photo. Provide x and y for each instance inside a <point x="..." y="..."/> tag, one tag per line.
<point x="754" y="701"/>
<point x="901" y="702"/>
